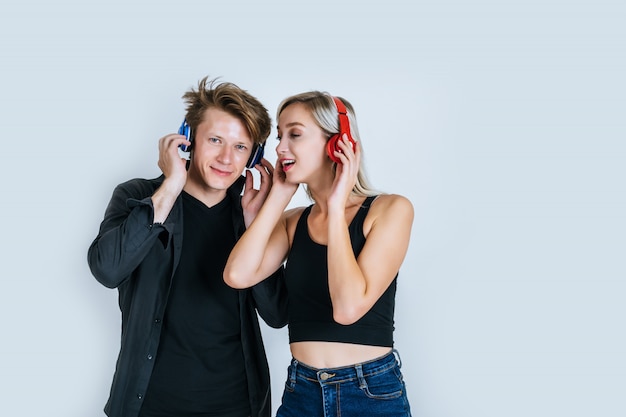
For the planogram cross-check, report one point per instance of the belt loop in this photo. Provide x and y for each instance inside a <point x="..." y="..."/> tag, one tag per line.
<point x="397" y="354"/>
<point x="292" y="372"/>
<point x="359" y="374"/>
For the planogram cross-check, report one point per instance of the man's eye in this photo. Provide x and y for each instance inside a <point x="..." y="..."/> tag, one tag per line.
<point x="214" y="140"/>
<point x="242" y="147"/>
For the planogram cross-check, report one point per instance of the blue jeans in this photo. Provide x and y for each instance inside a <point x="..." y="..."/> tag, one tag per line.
<point x="373" y="388"/>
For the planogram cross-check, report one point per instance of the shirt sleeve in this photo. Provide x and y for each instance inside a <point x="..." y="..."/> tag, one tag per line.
<point x="125" y="237"/>
<point x="270" y="298"/>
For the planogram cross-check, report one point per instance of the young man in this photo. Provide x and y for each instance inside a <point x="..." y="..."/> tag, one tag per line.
<point x="190" y="344"/>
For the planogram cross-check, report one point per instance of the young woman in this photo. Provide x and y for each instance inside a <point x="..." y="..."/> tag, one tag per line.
<point x="342" y="258"/>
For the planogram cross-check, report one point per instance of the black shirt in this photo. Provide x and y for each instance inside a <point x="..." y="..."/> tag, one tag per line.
<point x="199" y="368"/>
<point x="140" y="259"/>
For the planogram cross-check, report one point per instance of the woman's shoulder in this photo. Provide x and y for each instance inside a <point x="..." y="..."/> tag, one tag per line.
<point x="394" y="203"/>
<point x="290" y="221"/>
<point x="388" y="209"/>
<point x="291" y="216"/>
<point x="293" y="213"/>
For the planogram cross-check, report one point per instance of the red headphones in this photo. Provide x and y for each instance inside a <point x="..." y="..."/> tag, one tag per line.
<point x="344" y="127"/>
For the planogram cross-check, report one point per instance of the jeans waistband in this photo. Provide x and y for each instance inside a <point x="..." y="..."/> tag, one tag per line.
<point x="345" y="373"/>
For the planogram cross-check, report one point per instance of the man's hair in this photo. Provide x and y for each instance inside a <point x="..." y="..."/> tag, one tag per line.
<point x="233" y="100"/>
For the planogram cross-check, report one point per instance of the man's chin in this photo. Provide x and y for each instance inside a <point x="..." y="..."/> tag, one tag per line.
<point x="216" y="184"/>
<point x="221" y="183"/>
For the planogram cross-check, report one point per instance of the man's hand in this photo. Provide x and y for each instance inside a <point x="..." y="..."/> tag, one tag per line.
<point x="171" y="164"/>
<point x="253" y="199"/>
<point x="175" y="170"/>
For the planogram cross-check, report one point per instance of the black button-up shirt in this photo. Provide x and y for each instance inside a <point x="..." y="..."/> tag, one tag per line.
<point x="139" y="259"/>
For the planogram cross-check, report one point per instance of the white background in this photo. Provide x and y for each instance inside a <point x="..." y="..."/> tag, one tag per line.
<point x="502" y="121"/>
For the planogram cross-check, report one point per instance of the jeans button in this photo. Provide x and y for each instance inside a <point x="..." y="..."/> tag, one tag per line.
<point x="325" y="375"/>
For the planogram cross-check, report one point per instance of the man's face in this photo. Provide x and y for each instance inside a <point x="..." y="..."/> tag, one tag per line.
<point x="221" y="148"/>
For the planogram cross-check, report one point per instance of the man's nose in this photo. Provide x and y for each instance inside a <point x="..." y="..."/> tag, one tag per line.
<point x="226" y="154"/>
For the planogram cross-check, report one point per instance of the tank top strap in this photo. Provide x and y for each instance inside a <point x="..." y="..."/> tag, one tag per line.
<point x="365" y="207"/>
<point x="302" y="227"/>
<point x="359" y="218"/>
<point x="355" y="228"/>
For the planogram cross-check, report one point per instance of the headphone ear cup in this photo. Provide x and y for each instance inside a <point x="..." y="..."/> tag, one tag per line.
<point x="257" y="154"/>
<point x="185" y="130"/>
<point x="331" y="147"/>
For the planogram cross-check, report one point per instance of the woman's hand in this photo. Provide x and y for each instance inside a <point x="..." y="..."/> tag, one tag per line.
<point x="347" y="172"/>
<point x="280" y="185"/>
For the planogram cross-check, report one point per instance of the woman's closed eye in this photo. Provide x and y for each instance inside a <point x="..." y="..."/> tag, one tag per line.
<point x="290" y="136"/>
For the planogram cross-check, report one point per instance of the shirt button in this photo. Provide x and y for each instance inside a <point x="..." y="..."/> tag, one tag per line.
<point x="157" y="320"/>
<point x="149" y="357"/>
<point x="140" y="396"/>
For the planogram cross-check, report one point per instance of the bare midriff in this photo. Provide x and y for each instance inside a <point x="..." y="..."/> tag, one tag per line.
<point x="323" y="355"/>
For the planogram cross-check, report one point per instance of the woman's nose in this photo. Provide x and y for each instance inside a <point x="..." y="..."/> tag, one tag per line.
<point x="281" y="147"/>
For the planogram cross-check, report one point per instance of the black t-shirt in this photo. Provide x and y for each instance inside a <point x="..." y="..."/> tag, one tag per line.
<point x="199" y="368"/>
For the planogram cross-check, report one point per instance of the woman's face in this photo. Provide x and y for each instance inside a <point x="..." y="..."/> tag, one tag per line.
<point x="302" y="144"/>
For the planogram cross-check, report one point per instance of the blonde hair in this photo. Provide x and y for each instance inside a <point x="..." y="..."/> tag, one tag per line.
<point x="324" y="112"/>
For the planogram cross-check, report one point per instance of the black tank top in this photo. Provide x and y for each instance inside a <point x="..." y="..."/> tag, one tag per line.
<point x="310" y="308"/>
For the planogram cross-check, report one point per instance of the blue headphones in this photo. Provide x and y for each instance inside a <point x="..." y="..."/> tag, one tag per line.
<point x="255" y="157"/>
